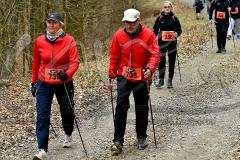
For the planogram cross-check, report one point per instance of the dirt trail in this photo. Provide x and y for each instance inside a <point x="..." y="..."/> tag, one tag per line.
<point x="196" y="120"/>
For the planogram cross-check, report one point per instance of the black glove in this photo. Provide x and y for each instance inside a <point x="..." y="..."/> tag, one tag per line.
<point x="63" y="76"/>
<point x="33" y="89"/>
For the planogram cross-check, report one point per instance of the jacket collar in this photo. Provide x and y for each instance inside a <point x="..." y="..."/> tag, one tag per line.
<point x="170" y="14"/>
<point x="60" y="36"/>
<point x="135" y="34"/>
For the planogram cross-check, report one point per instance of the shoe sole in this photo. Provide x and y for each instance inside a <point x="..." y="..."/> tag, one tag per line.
<point x="36" y="158"/>
<point x="115" y="151"/>
<point x="158" y="87"/>
<point x="142" y="148"/>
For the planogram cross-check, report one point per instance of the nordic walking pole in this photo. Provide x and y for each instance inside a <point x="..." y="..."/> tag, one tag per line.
<point x="150" y="104"/>
<point x="210" y="25"/>
<point x="111" y="91"/>
<point x="179" y="70"/>
<point x="53" y="130"/>
<point x="71" y="105"/>
<point x="211" y="35"/>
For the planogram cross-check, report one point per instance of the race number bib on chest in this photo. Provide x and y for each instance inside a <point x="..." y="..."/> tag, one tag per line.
<point x="52" y="75"/>
<point x="168" y="36"/>
<point x="221" y="15"/>
<point x="134" y="74"/>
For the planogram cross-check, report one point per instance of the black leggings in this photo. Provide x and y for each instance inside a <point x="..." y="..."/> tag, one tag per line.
<point x="199" y="7"/>
<point x="169" y="48"/>
<point x="221" y="34"/>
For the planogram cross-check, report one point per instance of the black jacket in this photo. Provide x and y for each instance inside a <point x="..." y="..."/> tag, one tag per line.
<point x="167" y="23"/>
<point x="235" y="4"/>
<point x="219" y="6"/>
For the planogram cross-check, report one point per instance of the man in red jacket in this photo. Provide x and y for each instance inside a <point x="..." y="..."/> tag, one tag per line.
<point x="55" y="60"/>
<point x="134" y="57"/>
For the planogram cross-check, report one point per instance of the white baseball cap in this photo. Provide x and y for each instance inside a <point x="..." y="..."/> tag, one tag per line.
<point x="131" y="15"/>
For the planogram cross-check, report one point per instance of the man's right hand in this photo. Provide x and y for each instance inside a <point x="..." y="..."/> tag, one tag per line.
<point x="210" y="22"/>
<point x="229" y="9"/>
<point x="33" y="89"/>
<point x="109" y="84"/>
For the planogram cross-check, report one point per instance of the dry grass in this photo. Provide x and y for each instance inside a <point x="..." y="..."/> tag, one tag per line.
<point x="195" y="35"/>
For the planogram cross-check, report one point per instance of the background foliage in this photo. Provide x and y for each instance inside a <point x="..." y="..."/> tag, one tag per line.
<point x="21" y="21"/>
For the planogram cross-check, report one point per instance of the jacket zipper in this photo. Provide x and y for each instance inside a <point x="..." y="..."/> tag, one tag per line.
<point x="131" y="53"/>
<point x="52" y="56"/>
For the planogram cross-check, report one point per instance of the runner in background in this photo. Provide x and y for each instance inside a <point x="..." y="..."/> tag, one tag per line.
<point x="221" y="19"/>
<point x="199" y="6"/>
<point x="208" y="4"/>
<point x="234" y="20"/>
<point x="167" y="28"/>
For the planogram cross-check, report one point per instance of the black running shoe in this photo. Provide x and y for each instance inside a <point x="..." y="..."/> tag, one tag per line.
<point x="116" y="148"/>
<point x="170" y="85"/>
<point x="142" y="143"/>
<point x="160" y="83"/>
<point x="224" y="50"/>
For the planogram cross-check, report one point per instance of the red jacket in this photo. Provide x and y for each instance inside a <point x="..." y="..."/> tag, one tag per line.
<point x="62" y="55"/>
<point x="144" y="47"/>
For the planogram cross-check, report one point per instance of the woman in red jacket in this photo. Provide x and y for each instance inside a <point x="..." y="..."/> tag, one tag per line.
<point x="55" y="60"/>
<point x="134" y="57"/>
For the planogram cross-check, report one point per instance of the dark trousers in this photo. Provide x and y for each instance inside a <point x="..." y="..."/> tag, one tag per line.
<point x="44" y="97"/>
<point x="222" y="29"/>
<point x="140" y="93"/>
<point x="169" y="48"/>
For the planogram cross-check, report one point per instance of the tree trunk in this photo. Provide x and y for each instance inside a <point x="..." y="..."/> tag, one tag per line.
<point x="26" y="54"/>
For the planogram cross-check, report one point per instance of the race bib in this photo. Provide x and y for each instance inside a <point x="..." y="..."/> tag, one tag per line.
<point x="134" y="74"/>
<point x="221" y="15"/>
<point x="168" y="36"/>
<point x="52" y="75"/>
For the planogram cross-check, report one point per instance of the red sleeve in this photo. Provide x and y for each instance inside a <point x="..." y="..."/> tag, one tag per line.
<point x="154" y="57"/>
<point x="73" y="59"/>
<point x="115" y="56"/>
<point x="36" y="60"/>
